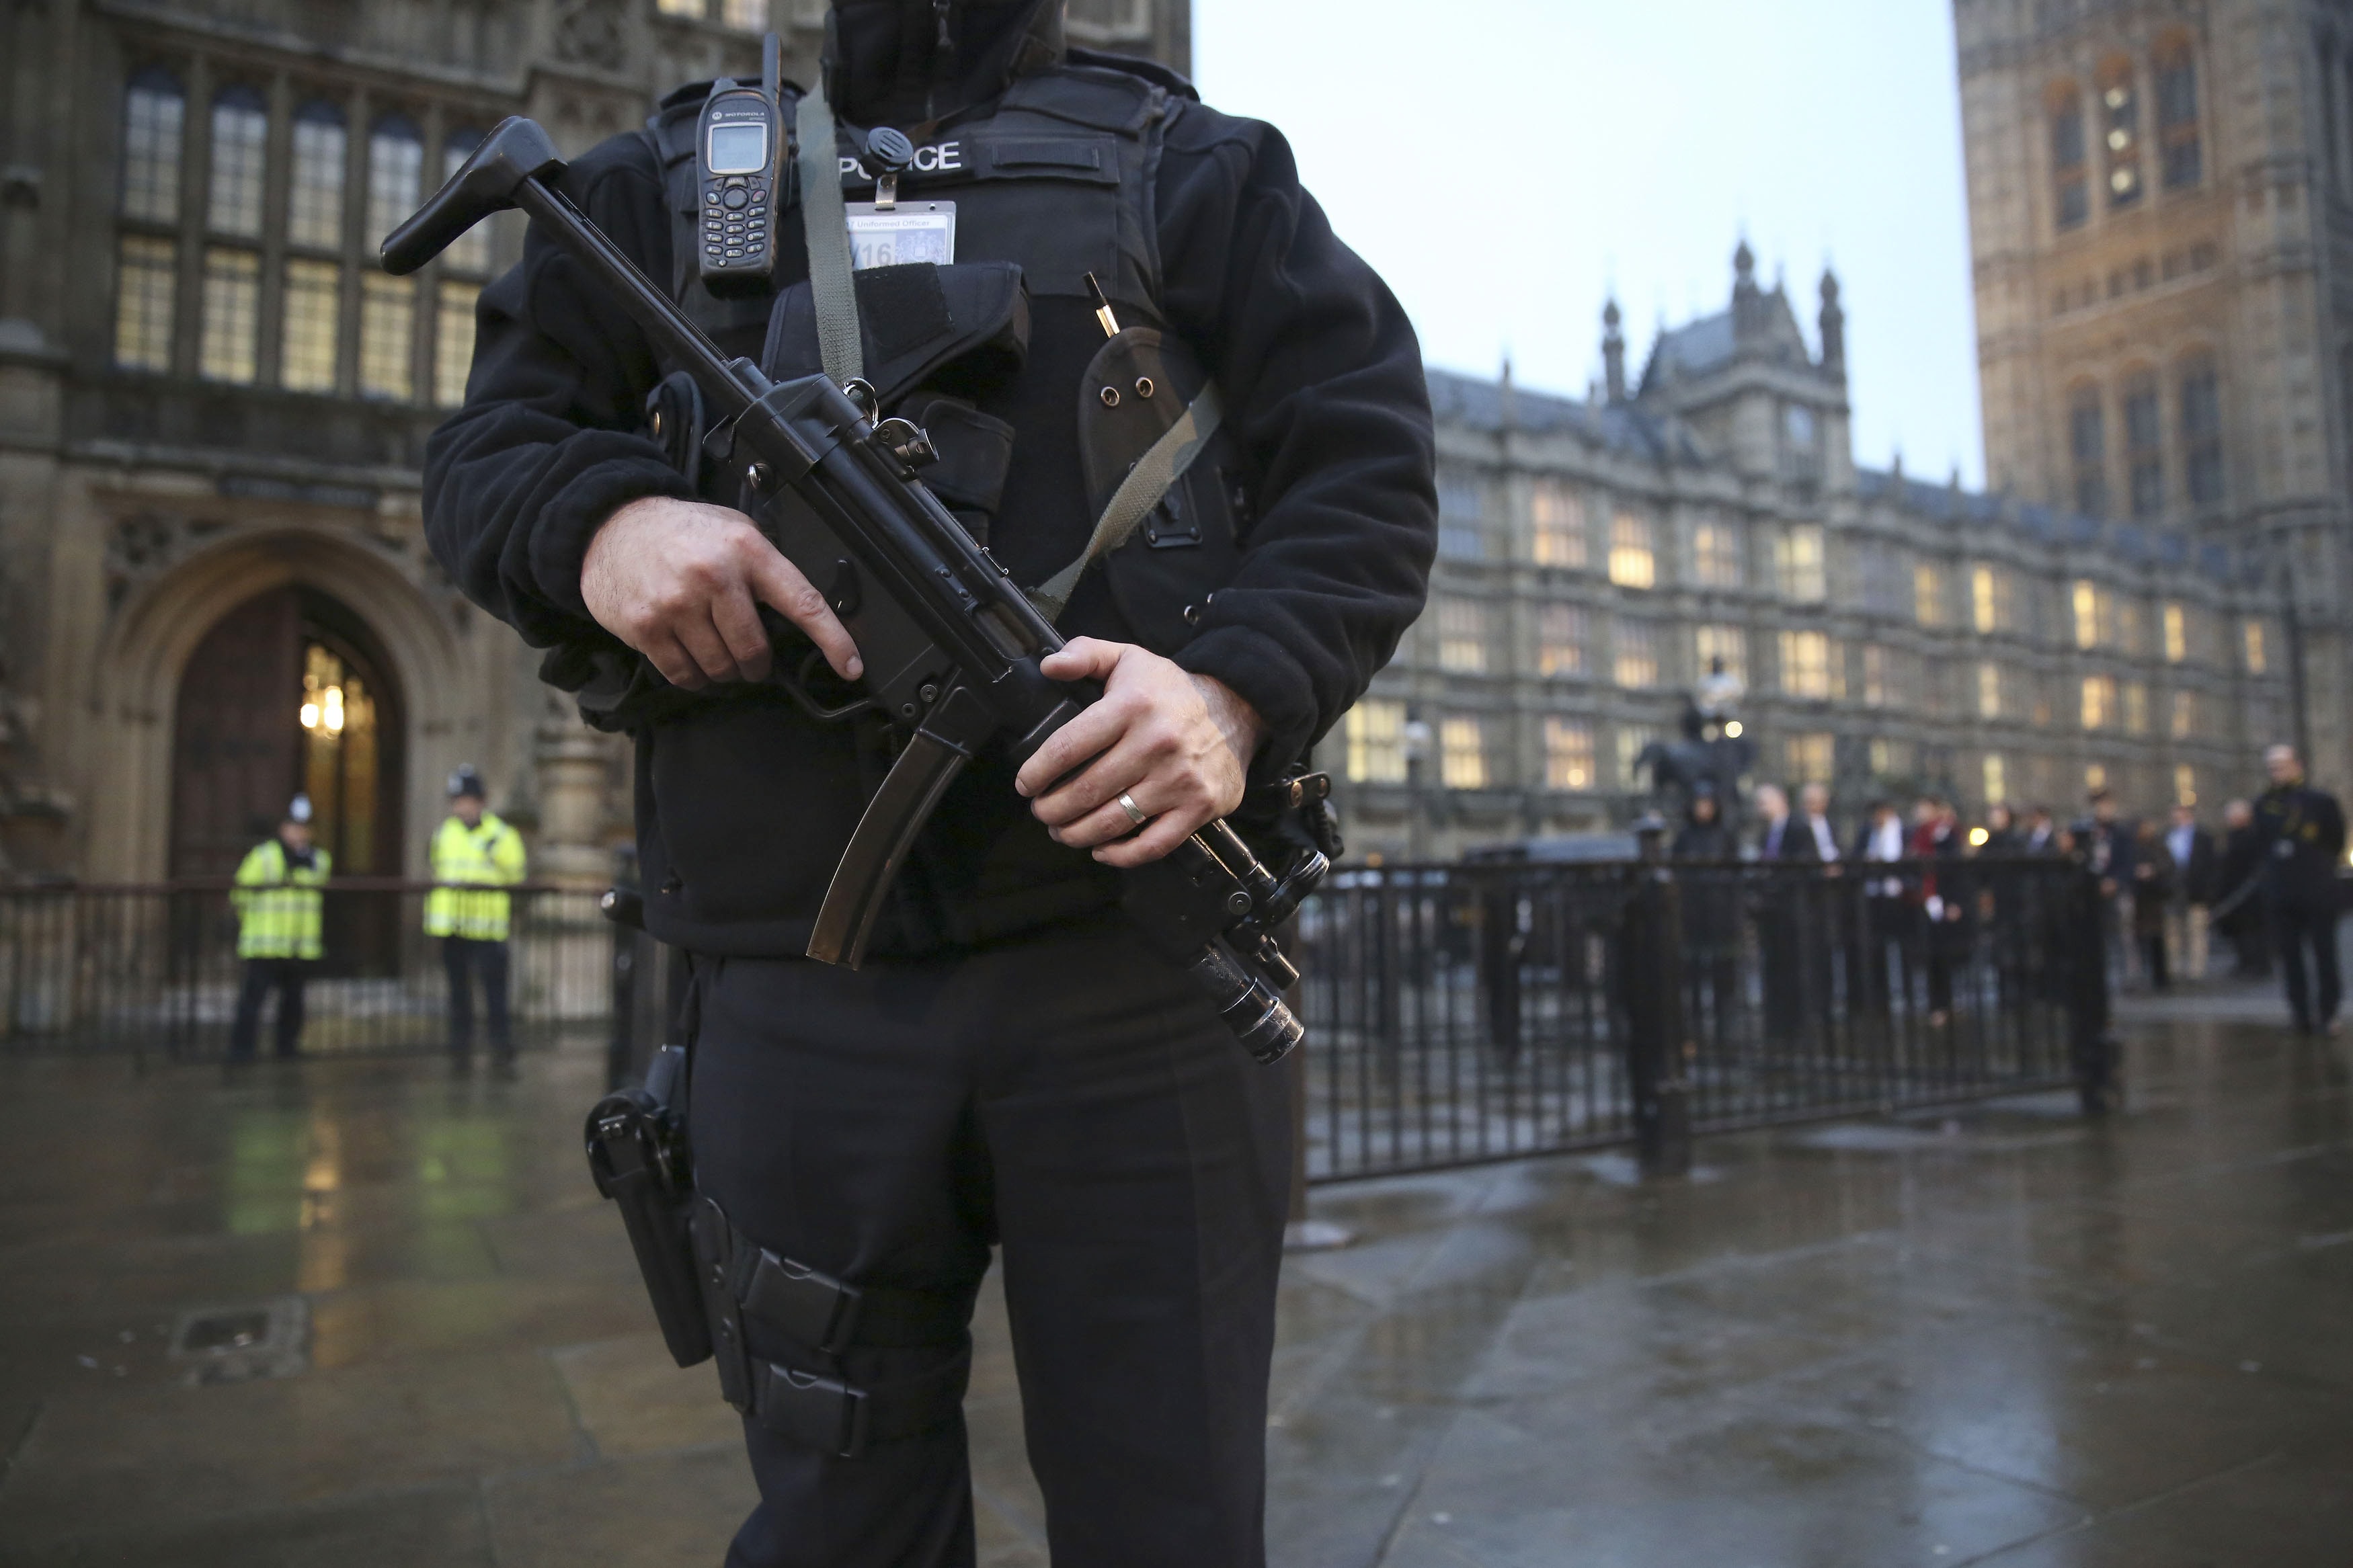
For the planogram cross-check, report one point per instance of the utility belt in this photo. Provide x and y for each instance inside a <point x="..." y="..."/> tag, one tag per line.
<point x="714" y="1290"/>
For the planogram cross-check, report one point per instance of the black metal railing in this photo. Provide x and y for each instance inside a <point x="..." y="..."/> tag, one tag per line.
<point x="1457" y="1014"/>
<point x="1468" y="1013"/>
<point x="154" y="970"/>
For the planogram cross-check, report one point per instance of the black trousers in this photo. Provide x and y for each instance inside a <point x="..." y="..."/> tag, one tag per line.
<point x="2309" y="930"/>
<point x="462" y="958"/>
<point x="1072" y="1099"/>
<point x="262" y="975"/>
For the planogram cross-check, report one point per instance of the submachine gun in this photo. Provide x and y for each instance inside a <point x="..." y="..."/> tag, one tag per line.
<point x="951" y="645"/>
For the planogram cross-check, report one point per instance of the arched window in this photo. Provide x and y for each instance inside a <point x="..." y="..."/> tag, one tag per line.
<point x="470" y="252"/>
<point x="2071" y="194"/>
<point x="314" y="203"/>
<point x="2120" y="128"/>
<point x="2181" y="154"/>
<point x="240" y="152"/>
<point x="2087" y="448"/>
<point x="153" y="112"/>
<point x="395" y="167"/>
<point x="2144" y="446"/>
<point x="2201" y="429"/>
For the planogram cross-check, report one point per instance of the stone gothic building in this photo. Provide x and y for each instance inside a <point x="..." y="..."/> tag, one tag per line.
<point x="1597" y="557"/>
<point x="2161" y="211"/>
<point x="214" y="587"/>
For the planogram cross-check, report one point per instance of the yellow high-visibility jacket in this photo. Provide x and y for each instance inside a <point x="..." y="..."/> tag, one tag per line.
<point x="473" y="866"/>
<point x="278" y="903"/>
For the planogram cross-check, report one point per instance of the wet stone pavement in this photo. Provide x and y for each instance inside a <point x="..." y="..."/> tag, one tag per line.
<point x="357" y="1314"/>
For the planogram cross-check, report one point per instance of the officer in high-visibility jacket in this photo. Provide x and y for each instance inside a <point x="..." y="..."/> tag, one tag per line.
<point x="476" y="858"/>
<point x="278" y="935"/>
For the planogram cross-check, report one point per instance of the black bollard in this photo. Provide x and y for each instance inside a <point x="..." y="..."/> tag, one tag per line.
<point x="1660" y="1049"/>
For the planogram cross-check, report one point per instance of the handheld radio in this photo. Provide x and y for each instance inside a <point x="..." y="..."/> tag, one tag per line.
<point x="739" y="163"/>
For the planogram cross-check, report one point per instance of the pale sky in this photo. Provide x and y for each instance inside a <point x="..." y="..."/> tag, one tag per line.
<point x="1507" y="163"/>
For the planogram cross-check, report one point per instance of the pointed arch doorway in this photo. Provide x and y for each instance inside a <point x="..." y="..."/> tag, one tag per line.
<point x="292" y="692"/>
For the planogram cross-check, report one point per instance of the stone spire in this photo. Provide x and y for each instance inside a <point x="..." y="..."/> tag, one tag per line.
<point x="1748" y="300"/>
<point x="1613" y="351"/>
<point x="1833" y="327"/>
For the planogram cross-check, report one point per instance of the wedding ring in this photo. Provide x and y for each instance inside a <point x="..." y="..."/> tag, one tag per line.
<point x="1135" y="812"/>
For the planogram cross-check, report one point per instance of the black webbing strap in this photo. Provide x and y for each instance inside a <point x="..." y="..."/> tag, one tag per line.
<point x="742" y="1278"/>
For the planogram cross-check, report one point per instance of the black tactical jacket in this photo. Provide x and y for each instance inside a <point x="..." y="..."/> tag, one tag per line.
<point x="2302" y="834"/>
<point x="742" y="804"/>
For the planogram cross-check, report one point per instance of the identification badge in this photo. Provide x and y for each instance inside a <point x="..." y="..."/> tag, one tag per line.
<point x="908" y="233"/>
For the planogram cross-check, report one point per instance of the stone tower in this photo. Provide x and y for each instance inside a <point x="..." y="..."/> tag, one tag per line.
<point x="2161" y="221"/>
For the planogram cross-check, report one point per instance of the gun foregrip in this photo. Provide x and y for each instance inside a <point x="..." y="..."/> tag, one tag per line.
<point x="1257" y="1014"/>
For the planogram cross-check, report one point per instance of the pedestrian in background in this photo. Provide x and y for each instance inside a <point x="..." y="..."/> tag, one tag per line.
<point x="2239" y="915"/>
<point x="1885" y="918"/>
<point x="280" y="929"/>
<point x="2302" y="831"/>
<point x="2191" y="850"/>
<point x="2153" y="882"/>
<point x="475" y="859"/>
<point x="1710" y="908"/>
<point x="1940" y="900"/>
<point x="2107" y="848"/>
<point x="2042" y="833"/>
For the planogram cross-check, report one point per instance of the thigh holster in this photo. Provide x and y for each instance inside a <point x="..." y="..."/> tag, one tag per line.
<point x="822" y="1316"/>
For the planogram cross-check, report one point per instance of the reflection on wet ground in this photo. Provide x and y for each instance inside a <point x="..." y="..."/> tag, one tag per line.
<point x="356" y="1313"/>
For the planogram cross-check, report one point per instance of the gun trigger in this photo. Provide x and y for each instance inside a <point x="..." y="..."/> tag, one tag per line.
<point x="719" y="445"/>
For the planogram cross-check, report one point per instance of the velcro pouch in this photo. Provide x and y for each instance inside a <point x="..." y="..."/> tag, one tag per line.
<point x="962" y="330"/>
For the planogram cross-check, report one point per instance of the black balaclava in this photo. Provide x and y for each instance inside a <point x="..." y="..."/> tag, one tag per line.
<point x="910" y="63"/>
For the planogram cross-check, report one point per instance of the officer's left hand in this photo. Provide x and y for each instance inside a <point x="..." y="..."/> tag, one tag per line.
<point x="1179" y="744"/>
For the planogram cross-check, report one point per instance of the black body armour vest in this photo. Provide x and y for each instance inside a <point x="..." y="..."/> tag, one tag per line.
<point x="744" y="800"/>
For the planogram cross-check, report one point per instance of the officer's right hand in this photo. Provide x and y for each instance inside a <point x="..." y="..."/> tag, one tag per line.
<point x="681" y="581"/>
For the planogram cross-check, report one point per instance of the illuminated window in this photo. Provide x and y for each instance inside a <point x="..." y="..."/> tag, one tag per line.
<point x="2145" y="446"/>
<point x="396" y="165"/>
<point x="1462" y="512"/>
<point x="388" y="337"/>
<point x="1376" y="741"/>
<point x="2180" y="145"/>
<point x="1996" y="777"/>
<point x="1728" y="644"/>
<point x="1462" y="636"/>
<point x="1461" y="753"/>
<point x="232" y="312"/>
<point x="1988" y="599"/>
<point x="2176" y="634"/>
<point x="314" y="202"/>
<point x="1636" y="664"/>
<point x="1805" y="664"/>
<point x="2185" y="784"/>
<point x="1569" y="755"/>
<point x="1633" y="560"/>
<point x="144" y="277"/>
<point x="1556" y="525"/>
<point x="1928" y="594"/>
<point x="1811" y="758"/>
<point x="2123" y="617"/>
<point x="1877" y="686"/>
<point x="470" y="251"/>
<point x="154" y="113"/>
<point x="2251" y="640"/>
<point x="683" y="7"/>
<point x="2201" y="430"/>
<point x="2099" y="701"/>
<point x="1988" y="691"/>
<point x="1716" y="555"/>
<point x="2095" y="778"/>
<point x="1797" y="561"/>
<point x="2087" y="444"/>
<point x="453" y="341"/>
<point x="1560" y="640"/>
<point x="308" y="362"/>
<point x="2087" y="614"/>
<point x="2070" y="188"/>
<point x="2120" y="122"/>
<point x="240" y="156"/>
<point x="2185" y="715"/>
<point x="2136" y="708"/>
<point x="747" y="14"/>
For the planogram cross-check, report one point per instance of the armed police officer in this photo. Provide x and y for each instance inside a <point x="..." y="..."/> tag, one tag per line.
<point x="1013" y="1068"/>
<point x="280" y="931"/>
<point x="477" y="856"/>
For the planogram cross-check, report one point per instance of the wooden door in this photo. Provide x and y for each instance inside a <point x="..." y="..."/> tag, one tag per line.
<point x="236" y="741"/>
